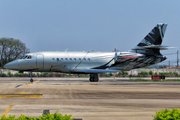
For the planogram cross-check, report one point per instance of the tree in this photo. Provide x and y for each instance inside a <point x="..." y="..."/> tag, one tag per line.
<point x="11" y="49"/>
<point x="150" y="72"/>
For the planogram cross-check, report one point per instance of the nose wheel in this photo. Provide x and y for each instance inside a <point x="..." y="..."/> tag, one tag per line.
<point x="31" y="80"/>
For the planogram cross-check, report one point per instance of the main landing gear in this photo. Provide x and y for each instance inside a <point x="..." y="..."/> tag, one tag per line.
<point x="31" y="80"/>
<point x="94" y="77"/>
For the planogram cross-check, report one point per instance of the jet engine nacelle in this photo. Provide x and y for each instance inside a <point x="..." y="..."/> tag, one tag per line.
<point x="121" y="57"/>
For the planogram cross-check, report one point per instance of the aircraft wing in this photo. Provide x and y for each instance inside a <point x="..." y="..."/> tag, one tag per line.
<point x="93" y="70"/>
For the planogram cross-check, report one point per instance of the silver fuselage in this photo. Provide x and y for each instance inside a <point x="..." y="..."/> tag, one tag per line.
<point x="69" y="62"/>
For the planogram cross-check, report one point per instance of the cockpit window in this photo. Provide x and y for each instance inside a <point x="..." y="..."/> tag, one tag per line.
<point x="29" y="57"/>
<point x="21" y="57"/>
<point x="25" y="57"/>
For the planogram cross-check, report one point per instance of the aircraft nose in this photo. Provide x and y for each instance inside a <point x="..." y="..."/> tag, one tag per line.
<point x="12" y="65"/>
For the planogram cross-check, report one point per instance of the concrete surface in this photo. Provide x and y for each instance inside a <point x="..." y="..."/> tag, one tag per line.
<point x="108" y="99"/>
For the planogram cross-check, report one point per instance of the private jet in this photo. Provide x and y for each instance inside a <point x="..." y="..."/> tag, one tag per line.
<point x="146" y="53"/>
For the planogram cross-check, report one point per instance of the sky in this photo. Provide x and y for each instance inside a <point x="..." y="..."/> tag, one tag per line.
<point x="86" y="25"/>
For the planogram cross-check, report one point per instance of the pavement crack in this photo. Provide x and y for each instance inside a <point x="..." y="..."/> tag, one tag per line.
<point x="18" y="85"/>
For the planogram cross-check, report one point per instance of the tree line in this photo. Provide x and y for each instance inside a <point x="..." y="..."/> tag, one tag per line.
<point x="11" y="49"/>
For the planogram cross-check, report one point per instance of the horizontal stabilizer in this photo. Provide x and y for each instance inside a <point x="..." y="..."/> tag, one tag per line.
<point x="159" y="47"/>
<point x="94" y="70"/>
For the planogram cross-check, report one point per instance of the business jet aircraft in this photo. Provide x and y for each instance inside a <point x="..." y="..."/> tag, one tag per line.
<point x="146" y="53"/>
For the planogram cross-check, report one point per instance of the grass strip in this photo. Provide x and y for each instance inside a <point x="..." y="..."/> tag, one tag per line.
<point x="149" y="80"/>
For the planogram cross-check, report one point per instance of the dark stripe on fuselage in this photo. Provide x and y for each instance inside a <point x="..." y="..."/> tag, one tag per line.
<point x="103" y="66"/>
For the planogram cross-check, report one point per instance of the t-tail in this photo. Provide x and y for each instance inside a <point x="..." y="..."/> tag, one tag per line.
<point x="151" y="44"/>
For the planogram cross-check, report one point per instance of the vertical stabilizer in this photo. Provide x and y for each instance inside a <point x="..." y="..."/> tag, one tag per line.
<point x="154" y="38"/>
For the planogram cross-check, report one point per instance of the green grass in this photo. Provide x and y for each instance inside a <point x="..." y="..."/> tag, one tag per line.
<point x="166" y="114"/>
<point x="149" y="80"/>
<point x="55" y="116"/>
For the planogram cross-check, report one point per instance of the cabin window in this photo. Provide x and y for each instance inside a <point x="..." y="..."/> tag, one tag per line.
<point x="70" y="59"/>
<point x="53" y="59"/>
<point x="57" y="59"/>
<point x="84" y="59"/>
<point x="61" y="59"/>
<point x="88" y="59"/>
<point x="79" y="59"/>
<point x="66" y="59"/>
<point x="74" y="59"/>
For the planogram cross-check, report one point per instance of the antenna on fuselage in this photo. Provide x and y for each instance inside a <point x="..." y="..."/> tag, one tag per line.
<point x="66" y="50"/>
<point x="116" y="50"/>
<point x="115" y="57"/>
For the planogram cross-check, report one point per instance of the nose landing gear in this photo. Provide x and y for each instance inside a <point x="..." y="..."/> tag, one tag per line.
<point x="94" y="77"/>
<point x="31" y="80"/>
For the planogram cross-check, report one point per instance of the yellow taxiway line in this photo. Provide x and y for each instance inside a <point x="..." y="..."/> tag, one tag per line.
<point x="6" y="112"/>
<point x="22" y="96"/>
<point x="33" y="83"/>
<point x="22" y="92"/>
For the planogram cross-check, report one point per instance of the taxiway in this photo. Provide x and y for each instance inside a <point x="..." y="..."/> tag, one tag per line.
<point x="108" y="99"/>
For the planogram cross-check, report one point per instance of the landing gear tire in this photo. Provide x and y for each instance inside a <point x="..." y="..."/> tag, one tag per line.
<point x="31" y="80"/>
<point x="96" y="79"/>
<point x="93" y="78"/>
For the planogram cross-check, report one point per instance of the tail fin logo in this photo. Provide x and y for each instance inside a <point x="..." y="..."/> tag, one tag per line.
<point x="151" y="44"/>
<point x="155" y="36"/>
